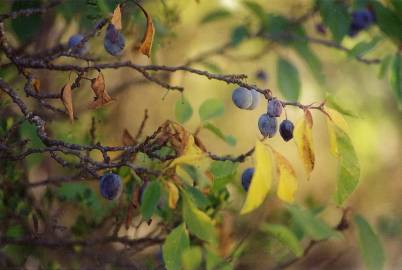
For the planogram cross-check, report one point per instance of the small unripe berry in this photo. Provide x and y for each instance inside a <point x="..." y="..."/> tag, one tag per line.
<point x="110" y="186"/>
<point x="114" y="41"/>
<point x="267" y="125"/>
<point x="246" y="178"/>
<point x="74" y="41"/>
<point x="274" y="108"/>
<point x="286" y="130"/>
<point x="262" y="75"/>
<point x="242" y="98"/>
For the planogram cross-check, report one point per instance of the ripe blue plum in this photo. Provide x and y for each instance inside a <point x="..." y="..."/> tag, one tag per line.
<point x="242" y="98"/>
<point x="286" y="130"/>
<point x="110" y="186"/>
<point x="245" y="99"/>
<point x="267" y="125"/>
<point x="74" y="41"/>
<point x="255" y="99"/>
<point x="246" y="178"/>
<point x="274" y="108"/>
<point x="114" y="41"/>
<point x="361" y="19"/>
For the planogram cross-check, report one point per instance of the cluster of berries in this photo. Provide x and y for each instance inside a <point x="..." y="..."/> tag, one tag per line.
<point x="249" y="99"/>
<point x="113" y="42"/>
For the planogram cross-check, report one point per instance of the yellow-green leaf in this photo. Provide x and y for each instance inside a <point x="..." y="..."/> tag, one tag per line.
<point x="304" y="141"/>
<point x="262" y="179"/>
<point x="338" y="120"/>
<point x="191" y="154"/>
<point x="342" y="148"/>
<point x="287" y="185"/>
<point x="199" y="223"/>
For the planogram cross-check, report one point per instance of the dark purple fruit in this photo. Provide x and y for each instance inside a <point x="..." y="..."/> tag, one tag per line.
<point x="274" y="108"/>
<point x="286" y="130"/>
<point x="246" y="178"/>
<point x="110" y="186"/>
<point x="267" y="125"/>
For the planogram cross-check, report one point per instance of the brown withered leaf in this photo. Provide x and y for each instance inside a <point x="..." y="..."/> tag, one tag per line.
<point x="127" y="138"/>
<point x="147" y="40"/>
<point x="101" y="96"/>
<point x="67" y="99"/>
<point x="309" y="118"/>
<point x="116" y="18"/>
<point x="36" y="85"/>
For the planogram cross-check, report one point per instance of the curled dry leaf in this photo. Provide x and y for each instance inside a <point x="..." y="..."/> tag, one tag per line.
<point x="116" y="18"/>
<point x="101" y="96"/>
<point x="147" y="40"/>
<point x="67" y="99"/>
<point x="36" y="85"/>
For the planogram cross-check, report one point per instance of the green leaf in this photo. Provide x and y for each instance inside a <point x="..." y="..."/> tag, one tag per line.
<point x="348" y="168"/>
<point x="276" y="26"/>
<point x="285" y="236"/>
<point x="224" y="172"/>
<point x="215" y="130"/>
<point x="175" y="244"/>
<point x="211" y="108"/>
<point x="332" y="102"/>
<point x="239" y="34"/>
<point x="385" y="62"/>
<point x="363" y="47"/>
<point x="288" y="79"/>
<point x="215" y="262"/>
<point x="335" y="16"/>
<point x="215" y="16"/>
<point x="150" y="199"/>
<point x="192" y="258"/>
<point x="370" y="245"/>
<point x="396" y="77"/>
<point x="199" y="223"/>
<point x="388" y="21"/>
<point x="200" y="200"/>
<point x="183" y="110"/>
<point x="312" y="225"/>
<point x="258" y="10"/>
<point x="26" y="27"/>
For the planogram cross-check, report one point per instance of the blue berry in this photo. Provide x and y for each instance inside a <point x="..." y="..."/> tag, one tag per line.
<point x="274" y="108"/>
<point x="246" y="178"/>
<point x="242" y="98"/>
<point x="361" y="19"/>
<point x="110" y="186"/>
<point x="286" y="130"/>
<point x="255" y="99"/>
<point x="74" y="41"/>
<point x="114" y="41"/>
<point x="267" y="125"/>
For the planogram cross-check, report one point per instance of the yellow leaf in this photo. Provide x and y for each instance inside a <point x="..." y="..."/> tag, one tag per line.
<point x="67" y="99"/>
<point x="287" y="179"/>
<point x="146" y="43"/>
<point x="304" y="142"/>
<point x="116" y="18"/>
<point x="192" y="153"/>
<point x="262" y="179"/>
<point x="335" y="120"/>
<point x="173" y="193"/>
